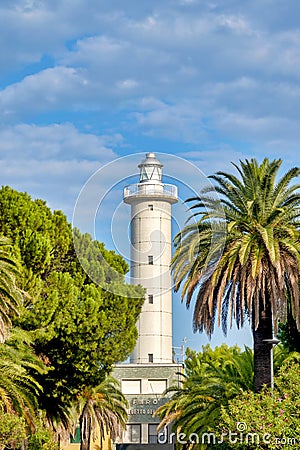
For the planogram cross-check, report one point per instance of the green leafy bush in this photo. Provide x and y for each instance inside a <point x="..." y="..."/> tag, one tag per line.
<point x="12" y="430"/>
<point x="269" y="419"/>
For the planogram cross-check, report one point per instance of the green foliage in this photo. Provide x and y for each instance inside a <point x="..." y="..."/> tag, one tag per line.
<point x="212" y="378"/>
<point x="80" y="334"/>
<point x="259" y="219"/>
<point x="41" y="439"/>
<point x="12" y="430"/>
<point x="224" y="362"/>
<point x="20" y="369"/>
<point x="240" y="257"/>
<point x="10" y="295"/>
<point x="104" y="267"/>
<point x="102" y="408"/>
<point x="36" y="251"/>
<point x="289" y="336"/>
<point x="79" y="329"/>
<point x="273" y="416"/>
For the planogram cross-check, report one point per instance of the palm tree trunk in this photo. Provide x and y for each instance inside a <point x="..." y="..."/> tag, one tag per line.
<point x="263" y="350"/>
<point x="85" y="429"/>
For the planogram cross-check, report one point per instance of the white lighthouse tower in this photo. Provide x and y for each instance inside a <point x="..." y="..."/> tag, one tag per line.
<point x="151" y="369"/>
<point x="151" y="244"/>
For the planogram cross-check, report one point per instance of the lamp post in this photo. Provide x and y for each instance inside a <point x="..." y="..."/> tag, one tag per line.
<point x="272" y="343"/>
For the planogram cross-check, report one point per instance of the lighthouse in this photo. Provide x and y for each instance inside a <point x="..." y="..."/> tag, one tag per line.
<point x="151" y="251"/>
<point x="151" y="369"/>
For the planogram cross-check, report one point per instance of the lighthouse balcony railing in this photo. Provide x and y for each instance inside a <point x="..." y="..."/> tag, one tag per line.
<point x="150" y="189"/>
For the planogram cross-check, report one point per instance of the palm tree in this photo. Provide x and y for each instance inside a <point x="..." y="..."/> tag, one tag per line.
<point x="212" y="378"/>
<point x="19" y="367"/>
<point x="243" y="255"/>
<point x="10" y="297"/>
<point x="103" y="410"/>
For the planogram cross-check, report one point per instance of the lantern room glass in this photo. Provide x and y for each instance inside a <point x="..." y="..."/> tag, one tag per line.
<point x="150" y="169"/>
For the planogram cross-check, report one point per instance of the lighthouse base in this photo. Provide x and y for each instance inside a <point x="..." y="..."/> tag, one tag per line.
<point x="143" y="386"/>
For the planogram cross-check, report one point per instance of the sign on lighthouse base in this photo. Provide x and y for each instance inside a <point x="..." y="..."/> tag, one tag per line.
<point x="143" y="386"/>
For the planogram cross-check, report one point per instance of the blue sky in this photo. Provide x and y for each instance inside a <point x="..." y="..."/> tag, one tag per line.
<point x="85" y="82"/>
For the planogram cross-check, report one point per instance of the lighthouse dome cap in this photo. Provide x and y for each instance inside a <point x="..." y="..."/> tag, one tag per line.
<point x="150" y="160"/>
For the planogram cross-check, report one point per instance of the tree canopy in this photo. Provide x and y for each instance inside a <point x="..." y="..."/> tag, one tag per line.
<point x="242" y="256"/>
<point x="216" y="392"/>
<point x="211" y="379"/>
<point x="78" y="328"/>
<point x="267" y="420"/>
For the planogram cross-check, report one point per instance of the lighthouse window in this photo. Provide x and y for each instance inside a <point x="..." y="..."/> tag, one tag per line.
<point x="154" y="386"/>
<point x="133" y="433"/>
<point x="150" y="207"/>
<point x="153" y="434"/>
<point x="150" y="299"/>
<point x="150" y="260"/>
<point x="150" y="357"/>
<point x="131" y="386"/>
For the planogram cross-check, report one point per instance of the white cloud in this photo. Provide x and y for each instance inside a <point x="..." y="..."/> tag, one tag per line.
<point x="127" y="84"/>
<point x="213" y="57"/>
<point x="191" y="72"/>
<point x="235" y="23"/>
<point x="51" y="162"/>
<point x="52" y="141"/>
<point x="180" y="121"/>
<point x="41" y="92"/>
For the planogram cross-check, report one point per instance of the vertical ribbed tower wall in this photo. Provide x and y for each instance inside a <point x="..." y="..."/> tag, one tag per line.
<point x="151" y="245"/>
